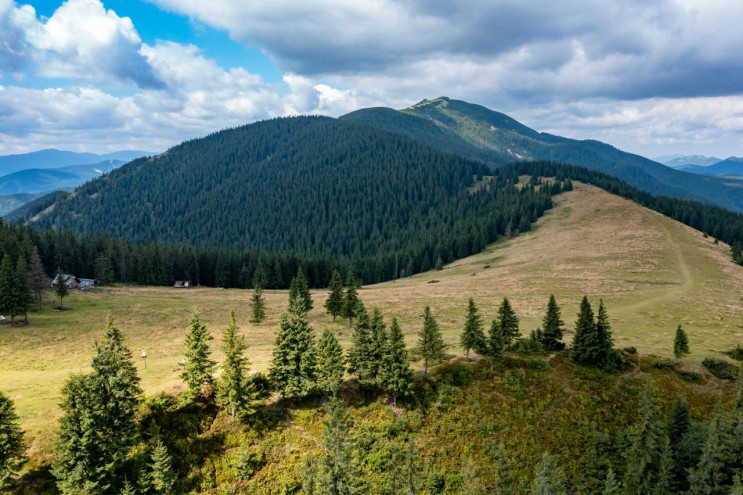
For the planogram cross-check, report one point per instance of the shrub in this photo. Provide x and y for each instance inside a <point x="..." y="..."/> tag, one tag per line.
<point x="537" y="364"/>
<point x="720" y="368"/>
<point x="736" y="353"/>
<point x="662" y="364"/>
<point x="689" y="376"/>
<point x="630" y="350"/>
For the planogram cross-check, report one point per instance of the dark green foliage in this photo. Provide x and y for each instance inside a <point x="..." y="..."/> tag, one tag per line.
<point x="162" y="476"/>
<point x="472" y="482"/>
<point x="198" y="371"/>
<point x="548" y="478"/>
<point x="604" y="339"/>
<point x="335" y="477"/>
<point x="24" y="294"/>
<point x="585" y="344"/>
<point x="611" y="484"/>
<point x="234" y="391"/>
<point x="718" y="462"/>
<point x="680" y="343"/>
<point x="430" y="342"/>
<point x="334" y="302"/>
<point x="98" y="427"/>
<point x="351" y="300"/>
<point x="294" y="366"/>
<point x="37" y="278"/>
<point x="379" y="349"/>
<point x="737" y="486"/>
<point x="11" y="440"/>
<point x="300" y="289"/>
<point x="502" y="472"/>
<point x="331" y="364"/>
<point x="496" y="343"/>
<point x="737" y="252"/>
<point x="646" y="447"/>
<point x="736" y="353"/>
<point x="720" y="368"/>
<point x="664" y="483"/>
<point x="508" y="322"/>
<point x="60" y="289"/>
<point x="473" y="336"/>
<point x="552" y="327"/>
<point x="257" y="305"/>
<point x="361" y="353"/>
<point x="398" y="377"/>
<point x="12" y="295"/>
<point x="531" y="344"/>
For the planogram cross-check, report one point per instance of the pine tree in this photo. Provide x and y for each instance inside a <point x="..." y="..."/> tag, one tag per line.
<point x="37" y="278"/>
<point x="163" y="476"/>
<point x="679" y="423"/>
<point x="430" y="341"/>
<point x="378" y="346"/>
<point x="604" y="339"/>
<point x="646" y="446"/>
<point x="611" y="485"/>
<point x="664" y="482"/>
<point x="496" y="343"/>
<point x="330" y="363"/>
<point x="351" y="300"/>
<point x="398" y="377"/>
<point x="552" y="327"/>
<point x="472" y="483"/>
<point x="680" y="344"/>
<point x="24" y="295"/>
<point x="234" y="391"/>
<point x="9" y="293"/>
<point x="334" y="303"/>
<point x="473" y="336"/>
<point x="127" y="488"/>
<point x="548" y="479"/>
<point x="508" y="322"/>
<point x="737" y="485"/>
<point x="257" y="305"/>
<point x="502" y="472"/>
<point x="61" y="289"/>
<point x="585" y="341"/>
<point x="293" y="369"/>
<point x="11" y="440"/>
<point x="717" y="464"/>
<point x="198" y="370"/>
<point x="299" y="289"/>
<point x="335" y="477"/>
<point x="361" y="352"/>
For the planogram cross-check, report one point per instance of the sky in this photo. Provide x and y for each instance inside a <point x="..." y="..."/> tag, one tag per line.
<point x="654" y="77"/>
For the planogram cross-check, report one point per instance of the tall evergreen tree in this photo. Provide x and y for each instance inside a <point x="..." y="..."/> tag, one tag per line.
<point x="37" y="277"/>
<point x="163" y="475"/>
<point x="361" y="352"/>
<point x="351" y="300"/>
<point x="398" y="377"/>
<point x="11" y="440"/>
<point x="496" y="343"/>
<point x="644" y="454"/>
<point x="680" y="344"/>
<point x="552" y="327"/>
<point x="299" y="289"/>
<point x="257" y="305"/>
<point x="334" y="302"/>
<point x="585" y="340"/>
<point x="737" y="488"/>
<point x="60" y="289"/>
<point x="234" y="391"/>
<point x="508" y="322"/>
<point x="24" y="294"/>
<point x="713" y="474"/>
<point x="9" y="293"/>
<point x="473" y="336"/>
<point x="430" y="342"/>
<point x="378" y="346"/>
<point x="548" y="478"/>
<point x="679" y="423"/>
<point x="611" y="485"/>
<point x="604" y="339"/>
<point x="502" y="475"/>
<point x="294" y="366"/>
<point x="198" y="370"/>
<point x="331" y="364"/>
<point x="335" y="476"/>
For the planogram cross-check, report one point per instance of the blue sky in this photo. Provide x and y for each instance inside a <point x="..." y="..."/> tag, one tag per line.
<point x="654" y="77"/>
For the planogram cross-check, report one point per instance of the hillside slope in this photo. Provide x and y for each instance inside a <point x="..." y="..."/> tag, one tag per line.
<point x="502" y="139"/>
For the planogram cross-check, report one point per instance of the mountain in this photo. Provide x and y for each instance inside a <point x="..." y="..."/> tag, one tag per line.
<point x="681" y="162"/>
<point x="495" y="138"/>
<point x="52" y="158"/>
<point x="730" y="167"/>
<point x="37" y="180"/>
<point x="13" y="202"/>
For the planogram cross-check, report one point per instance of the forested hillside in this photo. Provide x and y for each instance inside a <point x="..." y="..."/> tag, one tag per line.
<point x="479" y="133"/>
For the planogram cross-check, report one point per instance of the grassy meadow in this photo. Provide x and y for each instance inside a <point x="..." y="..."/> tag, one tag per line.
<point x="652" y="272"/>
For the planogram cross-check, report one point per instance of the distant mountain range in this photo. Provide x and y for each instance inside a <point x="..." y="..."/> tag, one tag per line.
<point x="36" y="180"/>
<point x="681" y="161"/>
<point x="52" y="158"/>
<point x="731" y="168"/>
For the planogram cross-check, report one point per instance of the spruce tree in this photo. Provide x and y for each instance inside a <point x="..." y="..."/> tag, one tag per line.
<point x="37" y="278"/>
<point x="611" y="485"/>
<point x="398" y="377"/>
<point x="585" y="340"/>
<point x="496" y="343"/>
<point x="351" y="301"/>
<point x="299" y="289"/>
<point x="679" y="423"/>
<point x="508" y="322"/>
<point x="502" y="473"/>
<point x="680" y="344"/>
<point x="257" y="305"/>
<point x="334" y="302"/>
<point x="378" y="346"/>
<point x="234" y="390"/>
<point x="335" y="477"/>
<point x="552" y="327"/>
<point x="604" y="339"/>
<point x="293" y="369"/>
<point x="472" y="483"/>
<point x="737" y="488"/>
<point x="665" y="480"/>
<point x="163" y="477"/>
<point x="24" y="295"/>
<point x="548" y="478"/>
<point x="61" y="289"/>
<point x="430" y="342"/>
<point x="331" y="364"/>
<point x="717" y="464"/>
<point x="644" y="454"/>
<point x="473" y="336"/>
<point x="198" y="370"/>
<point x="361" y="352"/>
<point x="9" y="293"/>
<point x="11" y="440"/>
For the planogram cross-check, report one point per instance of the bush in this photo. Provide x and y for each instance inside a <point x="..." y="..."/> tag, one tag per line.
<point x="662" y="364"/>
<point x="537" y="364"/>
<point x="630" y="350"/>
<point x="736" y="353"/>
<point x="615" y="361"/>
<point x="689" y="376"/>
<point x="720" y="368"/>
<point x="531" y="344"/>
